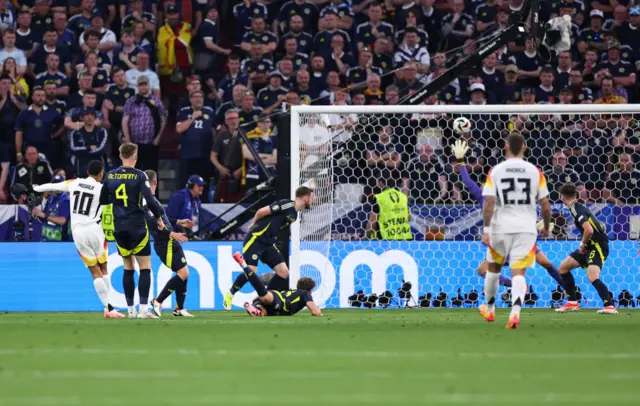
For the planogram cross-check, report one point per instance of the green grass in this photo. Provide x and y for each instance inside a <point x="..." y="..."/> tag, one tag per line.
<point x="379" y="357"/>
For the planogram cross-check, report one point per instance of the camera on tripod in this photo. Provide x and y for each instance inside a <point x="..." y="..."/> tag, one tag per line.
<point x="31" y="199"/>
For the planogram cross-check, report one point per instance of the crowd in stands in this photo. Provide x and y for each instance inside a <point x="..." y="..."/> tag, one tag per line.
<point x="180" y="78"/>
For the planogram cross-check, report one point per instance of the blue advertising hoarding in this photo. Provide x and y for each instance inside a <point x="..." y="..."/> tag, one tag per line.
<point x="51" y="277"/>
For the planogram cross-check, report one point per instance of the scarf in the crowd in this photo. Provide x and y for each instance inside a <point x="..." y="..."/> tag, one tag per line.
<point x="173" y="48"/>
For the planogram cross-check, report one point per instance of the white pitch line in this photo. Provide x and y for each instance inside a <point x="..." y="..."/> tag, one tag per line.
<point x="316" y="353"/>
<point x="340" y="399"/>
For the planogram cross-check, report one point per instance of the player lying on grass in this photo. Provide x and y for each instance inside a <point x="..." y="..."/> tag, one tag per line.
<point x="460" y="149"/>
<point x="593" y="251"/>
<point x="87" y="233"/>
<point x="166" y="242"/>
<point x="278" y="303"/>
<point x="260" y="242"/>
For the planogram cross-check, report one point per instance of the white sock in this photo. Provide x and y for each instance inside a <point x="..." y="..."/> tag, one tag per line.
<point x="102" y="291"/>
<point x="518" y="290"/>
<point x="107" y="280"/>
<point x="132" y="309"/>
<point x="491" y="281"/>
<point x="143" y="308"/>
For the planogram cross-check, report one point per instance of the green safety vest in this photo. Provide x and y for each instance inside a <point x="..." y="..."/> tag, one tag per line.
<point x="107" y="222"/>
<point x="393" y="218"/>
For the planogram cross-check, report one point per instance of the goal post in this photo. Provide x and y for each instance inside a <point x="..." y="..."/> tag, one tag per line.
<point x="348" y="154"/>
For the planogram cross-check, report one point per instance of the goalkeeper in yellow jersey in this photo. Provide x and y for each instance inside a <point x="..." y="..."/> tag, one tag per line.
<point x="460" y="149"/>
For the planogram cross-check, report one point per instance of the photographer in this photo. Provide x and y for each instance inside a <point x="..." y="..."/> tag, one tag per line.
<point x="34" y="170"/>
<point x="55" y="217"/>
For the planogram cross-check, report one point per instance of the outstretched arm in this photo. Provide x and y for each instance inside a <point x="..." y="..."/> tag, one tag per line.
<point x="53" y="187"/>
<point x="315" y="310"/>
<point x="473" y="187"/>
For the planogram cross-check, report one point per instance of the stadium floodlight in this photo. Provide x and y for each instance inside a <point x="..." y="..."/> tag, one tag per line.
<point x="583" y="143"/>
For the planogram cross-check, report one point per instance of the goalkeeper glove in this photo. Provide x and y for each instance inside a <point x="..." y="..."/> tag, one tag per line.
<point x="460" y="149"/>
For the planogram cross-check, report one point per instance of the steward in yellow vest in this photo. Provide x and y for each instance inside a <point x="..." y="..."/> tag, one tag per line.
<point x="107" y="222"/>
<point x="391" y="214"/>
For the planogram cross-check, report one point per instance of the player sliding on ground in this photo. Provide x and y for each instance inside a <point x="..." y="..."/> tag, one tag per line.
<point x="260" y="242"/>
<point x="460" y="149"/>
<point x="593" y="251"/>
<point x="166" y="242"/>
<point x="124" y="188"/>
<point x="509" y="213"/>
<point x="87" y="233"/>
<point x="278" y="303"/>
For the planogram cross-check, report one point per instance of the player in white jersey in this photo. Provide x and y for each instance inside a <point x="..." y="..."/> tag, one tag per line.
<point x="87" y="233"/>
<point x="512" y="190"/>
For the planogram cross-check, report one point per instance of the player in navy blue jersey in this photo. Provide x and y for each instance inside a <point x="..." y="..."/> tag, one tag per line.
<point x="591" y="255"/>
<point x="460" y="149"/>
<point x="278" y="303"/>
<point x="124" y="188"/>
<point x="166" y="242"/>
<point x="260" y="242"/>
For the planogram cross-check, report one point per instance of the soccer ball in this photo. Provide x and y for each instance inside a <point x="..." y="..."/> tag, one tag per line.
<point x="461" y="125"/>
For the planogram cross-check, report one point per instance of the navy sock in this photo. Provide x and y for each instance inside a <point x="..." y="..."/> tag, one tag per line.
<point x="181" y="294"/>
<point x="172" y="286"/>
<point x="255" y="281"/>
<point x="569" y="285"/>
<point x="240" y="281"/>
<point x="129" y="286"/>
<point x="603" y="292"/>
<point x="144" y="285"/>
<point x="278" y="283"/>
<point x="555" y="274"/>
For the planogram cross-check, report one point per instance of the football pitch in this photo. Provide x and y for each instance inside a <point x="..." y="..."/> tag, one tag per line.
<point x="348" y="357"/>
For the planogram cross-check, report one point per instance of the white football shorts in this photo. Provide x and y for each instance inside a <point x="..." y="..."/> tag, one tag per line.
<point x="91" y="244"/>
<point x="519" y="249"/>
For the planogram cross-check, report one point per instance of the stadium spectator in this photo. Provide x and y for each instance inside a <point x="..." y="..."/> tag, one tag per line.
<point x="491" y="77"/>
<point x="593" y="37"/>
<point x="344" y="13"/>
<point x="410" y="20"/>
<point x="74" y="116"/>
<point x="56" y="214"/>
<point x="19" y="85"/>
<point x="186" y="203"/>
<point x="113" y="109"/>
<point x="92" y="42"/>
<point x="528" y="62"/>
<point x="126" y="53"/>
<point x="143" y="123"/>
<point x="563" y="70"/>
<point x="53" y="75"/>
<point x="64" y="36"/>
<point x="486" y="14"/>
<point x="39" y="59"/>
<point x="384" y="156"/>
<point x="382" y="57"/>
<point x="367" y="33"/>
<point x="581" y="93"/>
<point x="291" y="53"/>
<point x="620" y="70"/>
<point x="257" y="66"/>
<point x="559" y="174"/>
<point x="42" y="18"/>
<point x="231" y="79"/>
<point x="208" y="49"/>
<point x="545" y="92"/>
<point x="340" y="60"/>
<point x="409" y="83"/>
<point x="34" y="170"/>
<point x="25" y="38"/>
<point x="249" y="112"/>
<point x="272" y="96"/>
<point x="373" y="93"/>
<point x="174" y="53"/>
<point x="425" y="180"/>
<point x="236" y="100"/>
<point x="457" y="26"/>
<point x="265" y="143"/>
<point x="589" y="151"/>
<point x="195" y="126"/>
<point x="137" y="15"/>
<point x="627" y="32"/>
<point x="106" y="38"/>
<point x="142" y="69"/>
<point x="99" y="77"/>
<point x="323" y="41"/>
<point x="358" y="74"/>
<point x="304" y="8"/>
<point x="259" y="36"/>
<point x="80" y="21"/>
<point x="606" y="93"/>
<point x="85" y="83"/>
<point x="10" y="51"/>
<point x="226" y="156"/>
<point x="333" y="85"/>
<point x="305" y="93"/>
<point x="304" y="40"/>
<point x="87" y="143"/>
<point x="243" y="12"/>
<point x="285" y="67"/>
<point x="318" y="77"/>
<point x="623" y="182"/>
<point x="193" y="85"/>
<point x="140" y="37"/>
<point x="510" y="92"/>
<point x="37" y="126"/>
<point x="412" y="51"/>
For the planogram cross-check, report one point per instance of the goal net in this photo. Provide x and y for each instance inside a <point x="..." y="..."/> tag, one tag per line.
<point x="348" y="154"/>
